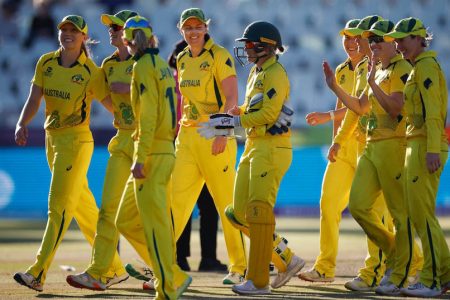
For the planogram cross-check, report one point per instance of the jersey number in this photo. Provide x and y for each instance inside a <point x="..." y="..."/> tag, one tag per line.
<point x="170" y="96"/>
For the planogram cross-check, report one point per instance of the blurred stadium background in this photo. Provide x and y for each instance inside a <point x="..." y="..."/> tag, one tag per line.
<point x="308" y="27"/>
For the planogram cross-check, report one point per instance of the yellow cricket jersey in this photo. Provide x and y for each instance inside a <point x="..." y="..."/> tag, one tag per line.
<point x="153" y="100"/>
<point x="352" y="121"/>
<point x="272" y="82"/>
<point x="68" y="92"/>
<point x="426" y="102"/>
<point x="345" y="78"/>
<point x="200" y="81"/>
<point x="392" y="79"/>
<point x="116" y="70"/>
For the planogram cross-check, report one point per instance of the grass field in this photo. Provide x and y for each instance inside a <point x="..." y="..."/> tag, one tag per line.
<point x="19" y="241"/>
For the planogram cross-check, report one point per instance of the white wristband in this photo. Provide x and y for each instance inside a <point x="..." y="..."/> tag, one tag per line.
<point x="331" y="115"/>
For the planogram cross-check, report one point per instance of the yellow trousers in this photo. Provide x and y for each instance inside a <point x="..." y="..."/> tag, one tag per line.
<point x="143" y="220"/>
<point x="261" y="168"/>
<point x="194" y="166"/>
<point x="381" y="169"/>
<point x="422" y="187"/>
<point x="117" y="172"/>
<point x="336" y="185"/>
<point x="69" y="153"/>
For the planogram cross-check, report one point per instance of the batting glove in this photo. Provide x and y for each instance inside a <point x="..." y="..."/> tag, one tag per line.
<point x="220" y="124"/>
<point x="283" y="122"/>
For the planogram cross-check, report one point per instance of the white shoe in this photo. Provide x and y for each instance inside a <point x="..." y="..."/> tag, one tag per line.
<point x="248" y="288"/>
<point x="116" y="279"/>
<point x="314" y="276"/>
<point x="357" y="284"/>
<point x="388" y="289"/>
<point x="420" y="290"/>
<point x="139" y="272"/>
<point x="29" y="281"/>
<point x="293" y="268"/>
<point x="386" y="277"/>
<point x="149" y="285"/>
<point x="85" y="281"/>
<point x="233" y="278"/>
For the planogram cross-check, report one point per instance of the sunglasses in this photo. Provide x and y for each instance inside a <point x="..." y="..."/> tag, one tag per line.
<point x="249" y="45"/>
<point x="115" y="27"/>
<point x="375" y="39"/>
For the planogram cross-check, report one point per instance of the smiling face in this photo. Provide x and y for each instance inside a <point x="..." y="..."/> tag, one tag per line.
<point x="363" y="45"/>
<point x="70" y="37"/>
<point x="410" y="46"/>
<point x="350" y="46"/>
<point x="193" y="32"/>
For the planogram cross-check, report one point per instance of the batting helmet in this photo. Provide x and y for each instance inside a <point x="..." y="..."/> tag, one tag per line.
<point x="263" y="32"/>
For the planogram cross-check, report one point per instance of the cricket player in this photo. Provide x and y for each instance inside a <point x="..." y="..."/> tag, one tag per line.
<point x="380" y="168"/>
<point x="208" y="84"/>
<point x="117" y="70"/>
<point x="335" y="193"/>
<point x="266" y="158"/>
<point x="426" y="153"/>
<point x="68" y="80"/>
<point x="143" y="211"/>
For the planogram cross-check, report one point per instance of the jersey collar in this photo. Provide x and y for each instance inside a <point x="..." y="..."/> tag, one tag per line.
<point x="426" y="54"/>
<point x="209" y="42"/>
<point x="116" y="56"/>
<point x="268" y="63"/>
<point x="395" y="59"/>
<point x="151" y="51"/>
<point x="80" y="60"/>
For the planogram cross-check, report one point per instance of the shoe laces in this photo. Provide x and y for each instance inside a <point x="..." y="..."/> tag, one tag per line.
<point x="417" y="286"/>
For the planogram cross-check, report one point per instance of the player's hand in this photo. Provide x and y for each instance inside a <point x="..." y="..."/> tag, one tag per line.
<point x="120" y="88"/>
<point x="433" y="162"/>
<point x="21" y="135"/>
<point x="333" y="152"/>
<point x="235" y="111"/>
<point x="283" y="122"/>
<point x="137" y="169"/>
<point x="372" y="70"/>
<point x="317" y="118"/>
<point x="219" y="144"/>
<point x="330" y="79"/>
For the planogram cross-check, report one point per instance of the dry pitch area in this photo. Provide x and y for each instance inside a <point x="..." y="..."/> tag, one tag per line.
<point x="20" y="240"/>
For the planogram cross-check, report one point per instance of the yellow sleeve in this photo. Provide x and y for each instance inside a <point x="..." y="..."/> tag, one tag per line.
<point x="38" y="78"/>
<point x="399" y="77"/>
<point x="276" y="91"/>
<point x="146" y="84"/>
<point x="99" y="84"/>
<point x="224" y="64"/>
<point x="348" y="126"/>
<point x="428" y="82"/>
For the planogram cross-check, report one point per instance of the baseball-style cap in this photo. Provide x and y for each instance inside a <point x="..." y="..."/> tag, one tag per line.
<point x="363" y="25"/>
<point x="134" y="23"/>
<point x="119" y="19"/>
<point x="405" y="27"/>
<point x="350" y="24"/>
<point x="379" y="28"/>
<point x="192" y="13"/>
<point x="77" y="21"/>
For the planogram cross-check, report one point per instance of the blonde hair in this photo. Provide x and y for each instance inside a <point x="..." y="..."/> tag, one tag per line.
<point x="141" y="42"/>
